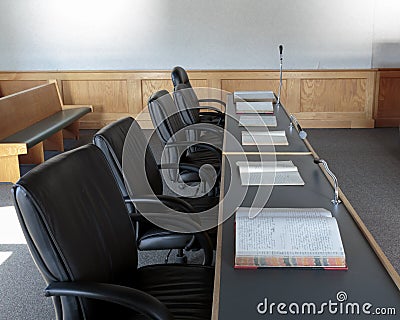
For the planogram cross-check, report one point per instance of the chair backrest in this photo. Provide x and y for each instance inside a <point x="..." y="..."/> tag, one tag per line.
<point x="76" y="225"/>
<point x="164" y="115"/>
<point x="169" y="125"/>
<point x="180" y="76"/>
<point x="185" y="97"/>
<point x="135" y="163"/>
<point x="187" y="103"/>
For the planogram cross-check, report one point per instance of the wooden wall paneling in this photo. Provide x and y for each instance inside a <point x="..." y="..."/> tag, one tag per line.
<point x="370" y="91"/>
<point x="97" y="120"/>
<point x="135" y="105"/>
<point x="151" y="86"/>
<point x="116" y="93"/>
<point x="292" y="103"/>
<point x="388" y="108"/>
<point x="215" y="91"/>
<point x="330" y="95"/>
<point x="376" y="94"/>
<point x="106" y="96"/>
<point x="338" y="98"/>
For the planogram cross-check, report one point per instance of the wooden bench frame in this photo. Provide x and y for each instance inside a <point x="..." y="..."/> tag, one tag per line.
<point x="26" y="110"/>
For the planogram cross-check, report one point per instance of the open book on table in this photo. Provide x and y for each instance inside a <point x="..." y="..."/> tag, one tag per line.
<point x="266" y="138"/>
<point x="254" y="107"/>
<point x="287" y="237"/>
<point x="256" y="173"/>
<point x="266" y="96"/>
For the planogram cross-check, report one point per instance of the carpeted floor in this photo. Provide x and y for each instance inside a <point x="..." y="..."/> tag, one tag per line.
<point x="366" y="162"/>
<point x="367" y="165"/>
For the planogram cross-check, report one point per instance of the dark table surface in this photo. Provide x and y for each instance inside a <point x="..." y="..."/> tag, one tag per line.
<point x="366" y="283"/>
<point x="233" y="133"/>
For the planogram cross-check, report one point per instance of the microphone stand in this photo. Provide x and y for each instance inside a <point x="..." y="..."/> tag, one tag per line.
<point x="278" y="103"/>
<point x="336" y="199"/>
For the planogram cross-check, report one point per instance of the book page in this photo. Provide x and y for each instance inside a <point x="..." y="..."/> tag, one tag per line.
<point x="288" y="236"/>
<point x="254" y="107"/>
<point x="264" y="138"/>
<point x="257" y="121"/>
<point x="246" y="212"/>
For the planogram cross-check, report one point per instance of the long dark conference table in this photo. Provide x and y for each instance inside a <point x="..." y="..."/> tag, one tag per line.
<point x="365" y="290"/>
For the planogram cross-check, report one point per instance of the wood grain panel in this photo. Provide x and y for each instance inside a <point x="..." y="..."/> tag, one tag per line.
<point x="389" y="98"/>
<point x="8" y="87"/>
<point x="134" y="96"/>
<point x="105" y="96"/>
<point x="332" y="95"/>
<point x="151" y="86"/>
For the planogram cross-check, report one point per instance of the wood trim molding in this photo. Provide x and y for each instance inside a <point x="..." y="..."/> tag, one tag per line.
<point x="319" y="98"/>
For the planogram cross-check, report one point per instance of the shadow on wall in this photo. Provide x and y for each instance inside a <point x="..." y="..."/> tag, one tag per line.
<point x="386" y="55"/>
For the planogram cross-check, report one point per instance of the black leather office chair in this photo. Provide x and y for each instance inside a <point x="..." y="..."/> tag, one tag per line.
<point x="80" y="235"/>
<point x="193" y="108"/>
<point x="140" y="179"/>
<point x="197" y="144"/>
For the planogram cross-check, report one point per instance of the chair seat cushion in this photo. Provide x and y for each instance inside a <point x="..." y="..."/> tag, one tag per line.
<point x="156" y="238"/>
<point x="203" y="203"/>
<point x="186" y="290"/>
<point x="200" y="157"/>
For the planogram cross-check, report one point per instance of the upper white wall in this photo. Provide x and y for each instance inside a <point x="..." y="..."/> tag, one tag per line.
<point x="206" y="34"/>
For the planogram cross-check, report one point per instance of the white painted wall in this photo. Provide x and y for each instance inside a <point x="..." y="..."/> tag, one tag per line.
<point x="202" y="34"/>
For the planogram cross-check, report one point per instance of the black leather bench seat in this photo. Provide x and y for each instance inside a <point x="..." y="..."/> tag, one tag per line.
<point x="45" y="128"/>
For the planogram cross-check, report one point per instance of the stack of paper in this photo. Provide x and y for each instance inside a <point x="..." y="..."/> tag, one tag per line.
<point x="257" y="173"/>
<point x="266" y="138"/>
<point x="257" y="121"/>
<point x="253" y="96"/>
<point x="254" y="107"/>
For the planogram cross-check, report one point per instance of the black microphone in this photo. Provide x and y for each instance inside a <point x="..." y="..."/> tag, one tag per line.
<point x="278" y="103"/>
<point x="302" y="133"/>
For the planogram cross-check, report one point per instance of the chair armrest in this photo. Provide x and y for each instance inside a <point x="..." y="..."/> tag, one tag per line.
<point x="184" y="222"/>
<point x="194" y="143"/>
<point x="213" y="100"/>
<point x="216" y="111"/>
<point x="203" y="174"/>
<point x="131" y="298"/>
<point x="165" y="199"/>
<point x="188" y="225"/>
<point x="181" y="166"/>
